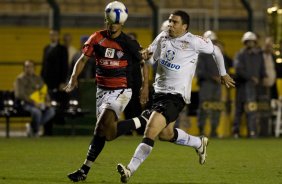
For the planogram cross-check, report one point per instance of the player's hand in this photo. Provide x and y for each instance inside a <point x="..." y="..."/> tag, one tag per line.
<point x="144" y="94"/>
<point x="146" y="54"/>
<point x="71" y="85"/>
<point x="227" y="81"/>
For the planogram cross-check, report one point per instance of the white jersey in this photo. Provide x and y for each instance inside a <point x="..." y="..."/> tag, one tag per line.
<point x="177" y="61"/>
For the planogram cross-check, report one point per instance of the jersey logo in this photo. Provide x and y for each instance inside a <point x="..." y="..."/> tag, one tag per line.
<point x="119" y="54"/>
<point x="110" y="53"/>
<point x="169" y="65"/>
<point x="170" y="55"/>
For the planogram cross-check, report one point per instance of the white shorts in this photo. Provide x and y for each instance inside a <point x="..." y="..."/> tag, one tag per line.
<point x="115" y="100"/>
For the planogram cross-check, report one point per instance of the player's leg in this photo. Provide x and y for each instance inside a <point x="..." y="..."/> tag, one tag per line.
<point x="96" y="146"/>
<point x="117" y="101"/>
<point x="180" y="137"/>
<point x="163" y="112"/>
<point x="134" y="123"/>
<point x="156" y="123"/>
<point x="109" y="105"/>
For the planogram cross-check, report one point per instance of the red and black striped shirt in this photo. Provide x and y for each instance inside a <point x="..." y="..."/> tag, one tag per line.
<point x="116" y="60"/>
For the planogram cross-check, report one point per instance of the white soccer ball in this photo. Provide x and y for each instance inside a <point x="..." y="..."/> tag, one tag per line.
<point x="116" y="12"/>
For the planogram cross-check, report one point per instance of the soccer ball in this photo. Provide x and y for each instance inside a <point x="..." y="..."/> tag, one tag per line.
<point x="116" y="12"/>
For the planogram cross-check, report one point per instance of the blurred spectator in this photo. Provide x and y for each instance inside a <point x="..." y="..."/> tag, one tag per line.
<point x="67" y="42"/>
<point x="268" y="88"/>
<point x="249" y="73"/>
<point x="55" y="63"/>
<point x="55" y="72"/>
<point x="209" y="89"/>
<point x="32" y="92"/>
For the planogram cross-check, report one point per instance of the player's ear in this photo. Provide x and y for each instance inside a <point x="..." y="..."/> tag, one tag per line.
<point x="185" y="27"/>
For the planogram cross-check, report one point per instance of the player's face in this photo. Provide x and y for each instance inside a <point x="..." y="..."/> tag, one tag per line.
<point x="175" y="27"/>
<point x="114" y="29"/>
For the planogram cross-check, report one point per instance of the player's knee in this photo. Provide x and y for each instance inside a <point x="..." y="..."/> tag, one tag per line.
<point x="110" y="133"/>
<point x="110" y="136"/>
<point x="165" y="137"/>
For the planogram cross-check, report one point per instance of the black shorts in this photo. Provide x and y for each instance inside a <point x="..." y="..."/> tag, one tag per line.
<point x="169" y="105"/>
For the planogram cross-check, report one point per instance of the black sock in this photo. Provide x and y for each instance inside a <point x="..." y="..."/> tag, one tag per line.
<point x="175" y="136"/>
<point x="85" y="169"/>
<point x="96" y="146"/>
<point x="143" y="121"/>
<point x="125" y="126"/>
<point x="148" y="141"/>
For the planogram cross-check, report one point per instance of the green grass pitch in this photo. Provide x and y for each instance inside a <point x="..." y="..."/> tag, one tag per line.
<point x="47" y="160"/>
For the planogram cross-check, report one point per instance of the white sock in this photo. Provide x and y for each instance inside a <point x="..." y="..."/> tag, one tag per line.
<point x="88" y="163"/>
<point x="141" y="153"/>
<point x="137" y="123"/>
<point x="187" y="140"/>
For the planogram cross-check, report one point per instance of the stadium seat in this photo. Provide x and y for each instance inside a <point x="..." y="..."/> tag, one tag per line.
<point x="11" y="107"/>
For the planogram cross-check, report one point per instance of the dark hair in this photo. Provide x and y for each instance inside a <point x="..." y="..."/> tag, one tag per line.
<point x="184" y="16"/>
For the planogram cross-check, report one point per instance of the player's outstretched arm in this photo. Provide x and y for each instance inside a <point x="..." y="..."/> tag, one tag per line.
<point x="227" y="81"/>
<point x="78" y="67"/>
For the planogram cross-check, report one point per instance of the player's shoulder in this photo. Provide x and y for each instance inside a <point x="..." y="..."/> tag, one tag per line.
<point x="132" y="43"/>
<point x="196" y="37"/>
<point x="98" y="35"/>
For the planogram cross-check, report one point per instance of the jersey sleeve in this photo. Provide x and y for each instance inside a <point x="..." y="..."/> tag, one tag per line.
<point x="203" y="45"/>
<point x="219" y="60"/>
<point x="88" y="48"/>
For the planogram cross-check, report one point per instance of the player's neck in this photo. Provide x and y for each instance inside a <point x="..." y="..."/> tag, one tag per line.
<point x="115" y="35"/>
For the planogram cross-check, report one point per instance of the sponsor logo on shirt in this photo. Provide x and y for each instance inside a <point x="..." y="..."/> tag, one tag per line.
<point x="107" y="62"/>
<point x="170" y="55"/>
<point x="110" y="53"/>
<point x="169" y="65"/>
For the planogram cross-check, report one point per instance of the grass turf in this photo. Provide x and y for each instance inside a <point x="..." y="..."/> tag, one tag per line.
<point x="47" y="161"/>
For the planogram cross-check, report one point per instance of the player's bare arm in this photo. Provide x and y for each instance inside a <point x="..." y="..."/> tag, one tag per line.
<point x="144" y="93"/>
<point x="78" y="67"/>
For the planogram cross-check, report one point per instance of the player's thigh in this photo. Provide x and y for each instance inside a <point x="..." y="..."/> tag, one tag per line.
<point x="156" y="124"/>
<point x="115" y="100"/>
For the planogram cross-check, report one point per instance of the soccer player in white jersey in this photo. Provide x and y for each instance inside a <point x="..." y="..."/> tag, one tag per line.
<point x="176" y="51"/>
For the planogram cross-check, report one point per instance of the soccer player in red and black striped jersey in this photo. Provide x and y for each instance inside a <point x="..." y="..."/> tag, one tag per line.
<point x="117" y="56"/>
